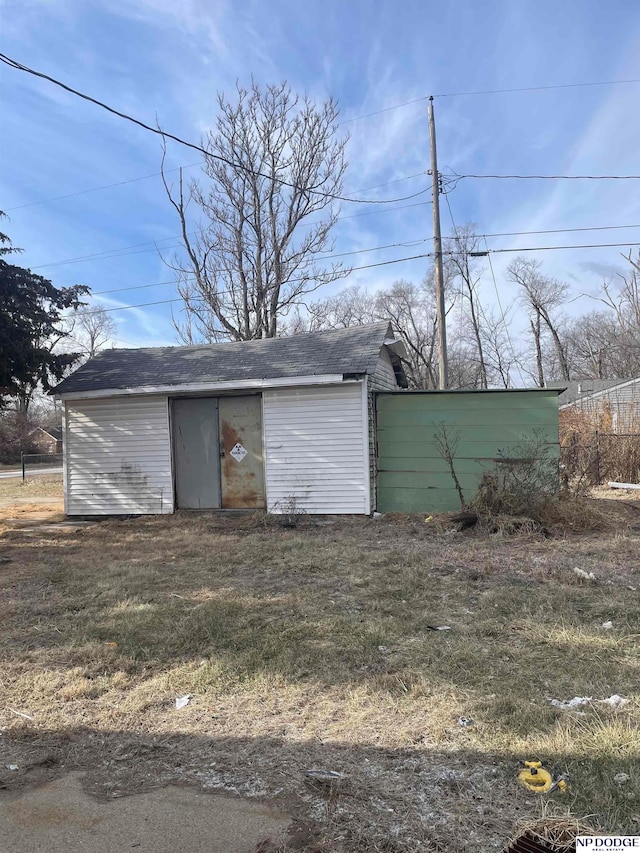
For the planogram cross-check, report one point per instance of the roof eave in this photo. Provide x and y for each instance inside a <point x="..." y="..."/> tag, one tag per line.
<point x="208" y="387"/>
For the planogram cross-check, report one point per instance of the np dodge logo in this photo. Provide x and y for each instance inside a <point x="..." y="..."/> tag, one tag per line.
<point x="607" y="843"/>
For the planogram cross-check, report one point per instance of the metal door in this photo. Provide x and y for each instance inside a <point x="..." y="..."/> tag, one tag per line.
<point x="242" y="473"/>
<point x="196" y="453"/>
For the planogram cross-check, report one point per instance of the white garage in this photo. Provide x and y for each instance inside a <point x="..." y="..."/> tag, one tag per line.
<point x="266" y="424"/>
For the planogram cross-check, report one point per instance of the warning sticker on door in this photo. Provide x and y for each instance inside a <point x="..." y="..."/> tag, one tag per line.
<point x="238" y="452"/>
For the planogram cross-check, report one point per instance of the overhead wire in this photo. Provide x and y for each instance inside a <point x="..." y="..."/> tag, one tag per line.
<point x="12" y="63"/>
<point x="550" y="177"/>
<point x="560" y="230"/>
<point x="553" y="248"/>
<point x="159" y="174"/>
<point x="406" y="245"/>
<point x="537" y="88"/>
<point x="98" y="189"/>
<point x="18" y="66"/>
<point x="121" y="252"/>
<point x="230" y="292"/>
<point x="488" y="253"/>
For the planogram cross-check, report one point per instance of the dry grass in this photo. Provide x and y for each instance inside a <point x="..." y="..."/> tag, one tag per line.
<point x="35" y="500"/>
<point x="313" y="647"/>
<point x="35" y="486"/>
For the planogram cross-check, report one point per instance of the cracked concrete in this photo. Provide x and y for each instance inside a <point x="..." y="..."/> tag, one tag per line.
<point x="60" y="817"/>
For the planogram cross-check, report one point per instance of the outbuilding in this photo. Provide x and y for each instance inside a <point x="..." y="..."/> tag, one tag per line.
<point x="284" y="424"/>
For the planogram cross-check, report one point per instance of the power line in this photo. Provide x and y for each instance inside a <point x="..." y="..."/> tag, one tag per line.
<point x="553" y="177"/>
<point x="536" y="88"/>
<point x="405" y="244"/>
<point x="487" y="254"/>
<point x="12" y="63"/>
<point x="490" y="92"/>
<point x="98" y="189"/>
<point x="387" y="109"/>
<point x="559" y="230"/>
<point x="553" y="248"/>
<point x="121" y="252"/>
<point x="159" y="174"/>
<point x="221" y="292"/>
<point x="313" y="260"/>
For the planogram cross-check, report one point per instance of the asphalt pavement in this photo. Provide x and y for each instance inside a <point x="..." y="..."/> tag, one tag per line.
<point x="31" y="472"/>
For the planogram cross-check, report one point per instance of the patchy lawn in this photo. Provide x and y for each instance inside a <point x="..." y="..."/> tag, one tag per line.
<point x="35" y="486"/>
<point x="36" y="500"/>
<point x="314" y="647"/>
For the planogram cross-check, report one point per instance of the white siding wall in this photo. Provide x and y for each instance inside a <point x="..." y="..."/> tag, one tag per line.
<point x="316" y="448"/>
<point x="118" y="456"/>
<point x="617" y="409"/>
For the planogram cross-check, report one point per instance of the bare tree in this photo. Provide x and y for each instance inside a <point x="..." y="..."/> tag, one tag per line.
<point x="352" y="306"/>
<point x="605" y="344"/>
<point x="273" y="160"/>
<point x="500" y="355"/>
<point x="626" y="302"/>
<point x="541" y="295"/>
<point x="412" y="311"/>
<point x="464" y="247"/>
<point x="91" y="329"/>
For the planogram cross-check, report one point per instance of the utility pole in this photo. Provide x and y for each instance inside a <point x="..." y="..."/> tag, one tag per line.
<point x="437" y="256"/>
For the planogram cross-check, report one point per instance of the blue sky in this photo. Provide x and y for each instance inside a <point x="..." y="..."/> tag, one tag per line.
<point x="169" y="58"/>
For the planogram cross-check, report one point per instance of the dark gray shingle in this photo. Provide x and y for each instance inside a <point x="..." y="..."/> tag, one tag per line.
<point x="341" y="351"/>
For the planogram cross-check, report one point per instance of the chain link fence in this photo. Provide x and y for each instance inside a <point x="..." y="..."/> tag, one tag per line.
<point x="39" y="463"/>
<point x="592" y="458"/>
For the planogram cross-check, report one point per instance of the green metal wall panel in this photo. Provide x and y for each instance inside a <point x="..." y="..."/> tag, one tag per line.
<point x="413" y="476"/>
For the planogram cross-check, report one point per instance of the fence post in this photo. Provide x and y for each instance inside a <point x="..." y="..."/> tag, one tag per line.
<point x="22" y="461"/>
<point x="597" y="457"/>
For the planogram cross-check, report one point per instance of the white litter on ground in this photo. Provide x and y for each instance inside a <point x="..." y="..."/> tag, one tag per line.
<point x="183" y="701"/>
<point x="11" y="766"/>
<point x="621" y="778"/>
<point x="576" y="702"/>
<point x="607" y="625"/>
<point x="615" y="701"/>
<point x="588" y="576"/>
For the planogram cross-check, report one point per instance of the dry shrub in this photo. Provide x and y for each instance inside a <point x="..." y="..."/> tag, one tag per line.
<point x="579" y="514"/>
<point x="591" y="453"/>
<point x="558" y="832"/>
<point x="521" y="482"/>
<point x="510" y="525"/>
<point x="523" y="496"/>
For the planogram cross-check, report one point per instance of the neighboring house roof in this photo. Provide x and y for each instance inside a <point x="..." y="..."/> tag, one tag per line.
<point x="341" y="351"/>
<point x="583" y="388"/>
<point x="52" y="432"/>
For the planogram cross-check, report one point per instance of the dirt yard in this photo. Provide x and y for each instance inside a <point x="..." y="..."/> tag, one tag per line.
<point x="314" y="647"/>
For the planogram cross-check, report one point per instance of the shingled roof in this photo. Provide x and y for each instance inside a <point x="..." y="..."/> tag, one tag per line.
<point x="580" y="389"/>
<point x="341" y="351"/>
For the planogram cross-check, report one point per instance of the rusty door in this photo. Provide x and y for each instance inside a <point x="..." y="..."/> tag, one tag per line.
<point x="241" y="468"/>
<point x="196" y="453"/>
